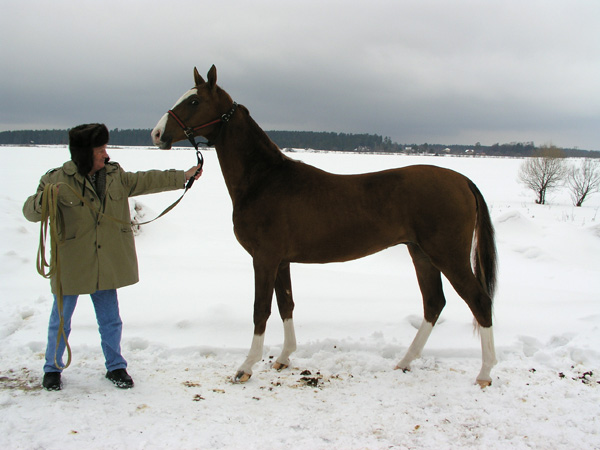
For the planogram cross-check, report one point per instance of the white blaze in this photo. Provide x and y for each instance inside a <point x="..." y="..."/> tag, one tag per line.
<point x="185" y="96"/>
<point x="159" y="129"/>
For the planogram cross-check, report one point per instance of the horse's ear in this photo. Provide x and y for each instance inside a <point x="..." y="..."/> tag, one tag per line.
<point x="197" y="78"/>
<point x="212" y="77"/>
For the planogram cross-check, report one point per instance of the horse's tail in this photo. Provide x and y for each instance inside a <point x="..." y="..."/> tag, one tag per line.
<point x="485" y="254"/>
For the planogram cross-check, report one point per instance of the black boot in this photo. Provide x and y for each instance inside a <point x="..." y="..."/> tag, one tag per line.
<point x="120" y="378"/>
<point x="51" y="381"/>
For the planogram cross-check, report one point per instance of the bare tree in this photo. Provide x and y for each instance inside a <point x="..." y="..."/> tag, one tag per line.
<point x="543" y="172"/>
<point x="584" y="180"/>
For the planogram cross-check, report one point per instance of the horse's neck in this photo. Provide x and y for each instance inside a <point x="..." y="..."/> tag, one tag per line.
<point x="245" y="153"/>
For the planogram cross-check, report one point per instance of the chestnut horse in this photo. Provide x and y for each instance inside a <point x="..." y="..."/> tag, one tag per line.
<point x="286" y="211"/>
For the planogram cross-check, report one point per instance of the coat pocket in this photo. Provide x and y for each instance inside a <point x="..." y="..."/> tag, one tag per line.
<point x="118" y="206"/>
<point x="67" y="198"/>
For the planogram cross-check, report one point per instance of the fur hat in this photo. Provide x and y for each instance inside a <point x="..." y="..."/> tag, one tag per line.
<point x="82" y="140"/>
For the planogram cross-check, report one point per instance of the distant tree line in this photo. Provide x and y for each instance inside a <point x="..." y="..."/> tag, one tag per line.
<point x="330" y="141"/>
<point x="284" y="139"/>
<point x="61" y="137"/>
<point x="513" y="149"/>
<point x="306" y="140"/>
<point x="34" y="137"/>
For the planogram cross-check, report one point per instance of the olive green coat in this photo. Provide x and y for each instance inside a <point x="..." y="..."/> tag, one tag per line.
<point x="95" y="252"/>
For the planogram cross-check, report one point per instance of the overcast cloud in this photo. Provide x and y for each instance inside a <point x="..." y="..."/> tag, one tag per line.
<point x="449" y="72"/>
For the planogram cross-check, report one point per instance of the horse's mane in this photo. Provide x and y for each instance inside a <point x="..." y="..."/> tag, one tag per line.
<point x="262" y="139"/>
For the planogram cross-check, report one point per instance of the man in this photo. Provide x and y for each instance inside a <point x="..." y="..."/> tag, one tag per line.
<point x="96" y="253"/>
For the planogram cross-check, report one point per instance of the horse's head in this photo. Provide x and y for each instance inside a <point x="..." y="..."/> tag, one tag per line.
<point x="197" y="113"/>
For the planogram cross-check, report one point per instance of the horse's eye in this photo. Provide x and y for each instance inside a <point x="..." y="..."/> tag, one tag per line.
<point x="194" y="102"/>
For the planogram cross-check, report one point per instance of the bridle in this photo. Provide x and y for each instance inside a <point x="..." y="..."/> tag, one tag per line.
<point x="190" y="134"/>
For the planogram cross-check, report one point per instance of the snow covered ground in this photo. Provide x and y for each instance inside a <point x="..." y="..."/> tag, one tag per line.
<point x="188" y="326"/>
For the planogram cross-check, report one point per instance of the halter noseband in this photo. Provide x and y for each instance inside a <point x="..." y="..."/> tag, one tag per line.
<point x="190" y="131"/>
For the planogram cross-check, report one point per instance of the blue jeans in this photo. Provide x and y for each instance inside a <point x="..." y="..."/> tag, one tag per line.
<point x="110" y="326"/>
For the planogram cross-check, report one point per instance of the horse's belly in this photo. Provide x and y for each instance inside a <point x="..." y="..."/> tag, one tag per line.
<point x="340" y="246"/>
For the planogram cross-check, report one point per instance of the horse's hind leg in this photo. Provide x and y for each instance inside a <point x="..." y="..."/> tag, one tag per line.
<point x="430" y="282"/>
<point x="480" y="304"/>
<point x="285" y="302"/>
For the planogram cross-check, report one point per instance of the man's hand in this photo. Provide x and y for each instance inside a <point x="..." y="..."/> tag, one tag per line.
<point x="190" y="172"/>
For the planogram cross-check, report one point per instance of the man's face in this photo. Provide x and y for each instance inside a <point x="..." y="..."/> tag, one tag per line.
<point x="99" y="157"/>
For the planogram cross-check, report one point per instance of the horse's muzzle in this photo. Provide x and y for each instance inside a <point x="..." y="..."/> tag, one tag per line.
<point x="164" y="145"/>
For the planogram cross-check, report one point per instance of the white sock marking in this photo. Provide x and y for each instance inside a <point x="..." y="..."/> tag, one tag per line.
<point x="254" y="355"/>
<point x="289" y="342"/>
<point x="488" y="353"/>
<point x="418" y="343"/>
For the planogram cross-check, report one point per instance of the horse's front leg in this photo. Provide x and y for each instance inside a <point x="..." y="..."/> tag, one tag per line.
<point x="285" y="302"/>
<point x="264" y="281"/>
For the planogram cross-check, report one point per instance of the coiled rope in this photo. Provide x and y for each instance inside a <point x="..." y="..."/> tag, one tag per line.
<point x="52" y="219"/>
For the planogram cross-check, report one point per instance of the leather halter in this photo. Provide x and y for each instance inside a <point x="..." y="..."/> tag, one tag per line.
<point x="190" y="133"/>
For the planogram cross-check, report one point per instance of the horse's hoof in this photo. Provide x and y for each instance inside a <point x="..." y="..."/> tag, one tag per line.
<point x="403" y="369"/>
<point x="279" y="366"/>
<point x="484" y="383"/>
<point x="241" y="377"/>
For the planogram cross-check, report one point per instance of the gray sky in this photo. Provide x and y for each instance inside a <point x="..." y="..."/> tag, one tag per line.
<point x="436" y="71"/>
